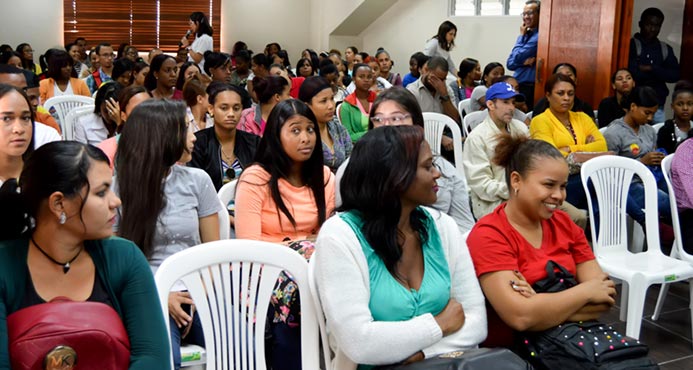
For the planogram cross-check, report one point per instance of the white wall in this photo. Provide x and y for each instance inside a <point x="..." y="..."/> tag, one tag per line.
<point x="404" y="29"/>
<point x="38" y="22"/>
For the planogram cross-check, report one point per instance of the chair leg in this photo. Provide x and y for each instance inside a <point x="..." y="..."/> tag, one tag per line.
<point x="660" y="301"/>
<point x="624" y="301"/>
<point x="636" y="305"/>
<point x="690" y="305"/>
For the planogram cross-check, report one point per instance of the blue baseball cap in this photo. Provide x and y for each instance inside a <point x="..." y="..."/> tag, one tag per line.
<point x="502" y="90"/>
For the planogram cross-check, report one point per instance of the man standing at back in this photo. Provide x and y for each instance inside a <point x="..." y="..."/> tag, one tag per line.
<point x="523" y="57"/>
<point x="651" y="61"/>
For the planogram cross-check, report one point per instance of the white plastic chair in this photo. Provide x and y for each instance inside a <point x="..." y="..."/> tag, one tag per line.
<point x="657" y="126"/>
<point x="472" y="120"/>
<point x="603" y="129"/>
<point x="68" y="125"/>
<point x="231" y="282"/>
<point x="464" y="106"/>
<point x="434" y="124"/>
<point x="322" y="324"/>
<point x="64" y="104"/>
<point x="611" y="177"/>
<point x="226" y="194"/>
<point x="677" y="251"/>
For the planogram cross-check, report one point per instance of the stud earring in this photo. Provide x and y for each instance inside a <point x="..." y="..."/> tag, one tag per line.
<point x="516" y="191"/>
<point x="63" y="218"/>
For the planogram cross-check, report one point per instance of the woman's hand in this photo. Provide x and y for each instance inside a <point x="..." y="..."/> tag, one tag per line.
<point x="590" y="139"/>
<point x="175" y="300"/>
<point x="113" y="109"/>
<point x="447" y="143"/>
<point x="601" y="290"/>
<point x="418" y="356"/>
<point x="184" y="42"/>
<point x="521" y="285"/>
<point x="653" y="158"/>
<point x="565" y="149"/>
<point x="451" y="318"/>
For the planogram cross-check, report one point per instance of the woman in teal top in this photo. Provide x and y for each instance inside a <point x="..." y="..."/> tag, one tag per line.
<point x="395" y="280"/>
<point x="60" y="216"/>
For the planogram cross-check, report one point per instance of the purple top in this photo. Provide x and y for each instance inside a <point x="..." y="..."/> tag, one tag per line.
<point x="682" y="175"/>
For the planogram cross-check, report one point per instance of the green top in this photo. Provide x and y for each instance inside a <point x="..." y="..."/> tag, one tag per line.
<point x="390" y="300"/>
<point x="353" y="120"/>
<point x="127" y="279"/>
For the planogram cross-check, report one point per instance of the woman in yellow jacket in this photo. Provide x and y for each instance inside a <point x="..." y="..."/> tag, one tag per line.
<point x="569" y="131"/>
<point x="62" y="79"/>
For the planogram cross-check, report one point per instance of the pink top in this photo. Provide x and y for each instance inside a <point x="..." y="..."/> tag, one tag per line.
<point x="110" y="146"/>
<point x="258" y="218"/>
<point x="682" y="175"/>
<point x="248" y="122"/>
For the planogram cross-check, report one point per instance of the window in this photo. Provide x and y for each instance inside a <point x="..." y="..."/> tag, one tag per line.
<point x="143" y="23"/>
<point x="486" y="7"/>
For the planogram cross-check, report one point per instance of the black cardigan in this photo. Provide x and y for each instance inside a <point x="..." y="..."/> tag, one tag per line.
<point x="207" y="152"/>
<point x="666" y="137"/>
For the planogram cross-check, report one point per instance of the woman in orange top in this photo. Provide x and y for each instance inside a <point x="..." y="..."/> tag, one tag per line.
<point x="62" y="78"/>
<point x="568" y="131"/>
<point x="285" y="196"/>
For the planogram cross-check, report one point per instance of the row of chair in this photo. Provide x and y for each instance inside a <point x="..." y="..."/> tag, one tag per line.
<point x="68" y="109"/>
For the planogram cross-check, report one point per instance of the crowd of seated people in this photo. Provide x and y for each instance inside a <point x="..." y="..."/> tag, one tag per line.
<point x="318" y="168"/>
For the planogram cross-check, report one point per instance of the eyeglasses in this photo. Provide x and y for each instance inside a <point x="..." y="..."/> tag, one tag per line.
<point x="392" y="120"/>
<point x="528" y="14"/>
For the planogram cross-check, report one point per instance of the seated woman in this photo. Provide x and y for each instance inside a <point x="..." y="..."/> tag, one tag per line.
<point x="610" y="108"/>
<point x="161" y="79"/>
<point x="186" y="72"/>
<point x="64" y="203"/>
<point x="578" y="105"/>
<point x="304" y="68"/>
<point x="353" y="112"/>
<point x="468" y="74"/>
<point x="239" y="76"/>
<point x="568" y="131"/>
<point x="103" y="123"/>
<point x="166" y="207"/>
<point x="515" y="242"/>
<point x="75" y="53"/>
<point x="269" y="90"/>
<point x="285" y="197"/>
<point x="416" y="63"/>
<point x="62" y="78"/>
<point x="682" y="182"/>
<point x="218" y="66"/>
<point x="632" y="137"/>
<point x="195" y="97"/>
<point x="677" y="129"/>
<point x="386" y="63"/>
<point x="122" y="71"/>
<point x="222" y="150"/>
<point x="492" y="71"/>
<point x="17" y="134"/>
<point x="336" y="143"/>
<point x="139" y="73"/>
<point x="380" y="306"/>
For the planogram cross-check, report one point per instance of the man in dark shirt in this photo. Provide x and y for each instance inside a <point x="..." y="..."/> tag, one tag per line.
<point x="651" y="61"/>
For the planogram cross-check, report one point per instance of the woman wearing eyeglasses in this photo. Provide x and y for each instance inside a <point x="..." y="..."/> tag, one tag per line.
<point x="222" y="150"/>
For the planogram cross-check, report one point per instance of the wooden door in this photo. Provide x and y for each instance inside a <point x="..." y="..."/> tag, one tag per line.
<point x="592" y="35"/>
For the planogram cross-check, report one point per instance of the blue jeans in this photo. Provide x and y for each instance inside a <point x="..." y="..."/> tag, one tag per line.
<point x="194" y="337"/>
<point x="575" y="192"/>
<point x="636" y="202"/>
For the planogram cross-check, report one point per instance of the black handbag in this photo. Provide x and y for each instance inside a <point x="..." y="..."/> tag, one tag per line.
<point x="578" y="345"/>
<point x="471" y="359"/>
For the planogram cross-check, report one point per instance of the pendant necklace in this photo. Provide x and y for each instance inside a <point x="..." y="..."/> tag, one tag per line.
<point x="66" y="266"/>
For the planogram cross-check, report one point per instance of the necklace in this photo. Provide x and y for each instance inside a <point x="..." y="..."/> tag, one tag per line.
<point x="66" y="266"/>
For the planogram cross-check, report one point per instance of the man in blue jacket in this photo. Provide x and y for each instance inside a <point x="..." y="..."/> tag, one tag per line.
<point x="523" y="57"/>
<point x="651" y="61"/>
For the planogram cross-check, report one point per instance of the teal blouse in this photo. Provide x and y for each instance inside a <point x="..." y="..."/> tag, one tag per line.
<point x="389" y="300"/>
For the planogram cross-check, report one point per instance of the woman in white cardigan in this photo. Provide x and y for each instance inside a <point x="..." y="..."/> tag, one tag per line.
<point x="395" y="280"/>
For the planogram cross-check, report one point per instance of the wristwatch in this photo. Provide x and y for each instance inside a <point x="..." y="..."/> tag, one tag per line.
<point x="445" y="98"/>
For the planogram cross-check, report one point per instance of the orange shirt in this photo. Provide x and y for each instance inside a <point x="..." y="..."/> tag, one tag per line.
<point x="258" y="218"/>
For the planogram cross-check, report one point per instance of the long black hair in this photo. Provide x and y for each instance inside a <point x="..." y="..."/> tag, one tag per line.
<point x="107" y="91"/>
<point x="272" y="157"/>
<point x="203" y="26"/>
<point x="59" y="166"/>
<point x="150" y="82"/>
<point x="443" y="30"/>
<point x="151" y="143"/>
<point x="382" y="167"/>
<point x="6" y="89"/>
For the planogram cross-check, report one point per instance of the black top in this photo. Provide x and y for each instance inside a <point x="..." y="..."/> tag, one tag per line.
<point x="666" y="137"/>
<point x="31" y="297"/>
<point x="609" y="110"/>
<point x="207" y="152"/>
<point x="578" y="106"/>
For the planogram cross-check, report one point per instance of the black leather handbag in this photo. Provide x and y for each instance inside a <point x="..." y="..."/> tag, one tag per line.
<point x="471" y="359"/>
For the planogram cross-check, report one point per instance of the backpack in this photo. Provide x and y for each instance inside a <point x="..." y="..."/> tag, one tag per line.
<point x="638" y="48"/>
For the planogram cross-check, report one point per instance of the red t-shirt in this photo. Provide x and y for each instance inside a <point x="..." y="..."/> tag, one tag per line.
<point x="496" y="246"/>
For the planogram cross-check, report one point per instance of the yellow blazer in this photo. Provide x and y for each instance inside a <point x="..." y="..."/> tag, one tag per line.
<point x="47" y="86"/>
<point x="548" y="128"/>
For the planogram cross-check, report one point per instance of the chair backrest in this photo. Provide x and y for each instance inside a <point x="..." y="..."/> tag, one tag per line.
<point x="313" y="283"/>
<point x="611" y="177"/>
<point x="603" y="129"/>
<point x="464" y="106"/>
<point x="68" y="125"/>
<point x="473" y="119"/>
<point x="231" y="283"/>
<point x="62" y="105"/>
<point x="530" y="114"/>
<point x="678" y="242"/>
<point x="434" y="124"/>
<point x="226" y="194"/>
<point x="657" y="126"/>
